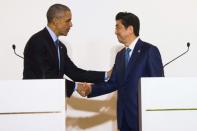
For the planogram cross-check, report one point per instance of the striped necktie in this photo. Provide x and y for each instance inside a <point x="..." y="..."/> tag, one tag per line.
<point x="57" y="44"/>
<point x="127" y="56"/>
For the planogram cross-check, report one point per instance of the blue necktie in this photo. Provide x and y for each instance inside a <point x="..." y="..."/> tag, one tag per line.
<point x="127" y="56"/>
<point x="57" y="42"/>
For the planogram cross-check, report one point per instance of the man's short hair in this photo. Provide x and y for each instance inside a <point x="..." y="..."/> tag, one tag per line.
<point x="55" y="11"/>
<point x="128" y="19"/>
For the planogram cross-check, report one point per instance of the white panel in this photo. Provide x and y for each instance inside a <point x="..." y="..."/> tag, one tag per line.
<point x="32" y="105"/>
<point x="33" y="122"/>
<point x="169" y="104"/>
<point x="32" y="95"/>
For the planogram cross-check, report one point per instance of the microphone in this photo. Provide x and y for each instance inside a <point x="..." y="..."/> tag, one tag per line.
<point x="14" y="47"/>
<point x="188" y="45"/>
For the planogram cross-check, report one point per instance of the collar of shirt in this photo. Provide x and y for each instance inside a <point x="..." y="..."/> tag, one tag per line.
<point x="132" y="45"/>
<point x="52" y="34"/>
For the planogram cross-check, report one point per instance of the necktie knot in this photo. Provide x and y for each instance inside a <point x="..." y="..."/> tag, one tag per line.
<point x="128" y="50"/>
<point x="57" y="43"/>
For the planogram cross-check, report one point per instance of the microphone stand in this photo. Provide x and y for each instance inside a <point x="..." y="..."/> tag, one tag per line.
<point x="188" y="45"/>
<point x="14" y="47"/>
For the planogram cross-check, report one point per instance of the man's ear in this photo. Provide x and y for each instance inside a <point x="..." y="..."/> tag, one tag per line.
<point x="54" y="21"/>
<point x="130" y="29"/>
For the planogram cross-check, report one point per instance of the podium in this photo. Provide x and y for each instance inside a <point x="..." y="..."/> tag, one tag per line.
<point x="168" y="104"/>
<point x="32" y="105"/>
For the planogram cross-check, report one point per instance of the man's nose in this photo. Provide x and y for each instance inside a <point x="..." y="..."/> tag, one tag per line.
<point x="71" y="24"/>
<point x="116" y="32"/>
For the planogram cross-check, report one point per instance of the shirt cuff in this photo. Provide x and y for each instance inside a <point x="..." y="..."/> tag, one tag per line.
<point x="106" y="77"/>
<point x="75" y="86"/>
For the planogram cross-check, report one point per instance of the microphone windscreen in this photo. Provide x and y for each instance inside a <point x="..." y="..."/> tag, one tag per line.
<point x="188" y="44"/>
<point x="13" y="46"/>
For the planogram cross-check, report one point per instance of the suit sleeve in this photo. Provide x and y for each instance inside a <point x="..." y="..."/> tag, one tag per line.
<point x="80" y="75"/>
<point x="103" y="88"/>
<point x="106" y="87"/>
<point x="155" y="63"/>
<point x="69" y="88"/>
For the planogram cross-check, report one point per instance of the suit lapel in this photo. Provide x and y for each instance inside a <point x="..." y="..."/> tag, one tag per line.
<point x="121" y="64"/>
<point x="135" y="55"/>
<point x="51" y="47"/>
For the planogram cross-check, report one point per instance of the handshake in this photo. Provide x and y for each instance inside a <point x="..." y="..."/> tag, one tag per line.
<point x="84" y="89"/>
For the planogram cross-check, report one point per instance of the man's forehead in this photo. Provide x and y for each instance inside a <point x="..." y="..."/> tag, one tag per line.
<point x="118" y="22"/>
<point x="68" y="13"/>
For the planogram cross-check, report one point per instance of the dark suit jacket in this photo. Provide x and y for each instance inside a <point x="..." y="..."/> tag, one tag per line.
<point x="144" y="62"/>
<point x="41" y="62"/>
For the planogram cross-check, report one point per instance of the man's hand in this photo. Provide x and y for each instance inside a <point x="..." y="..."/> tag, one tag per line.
<point x="84" y="89"/>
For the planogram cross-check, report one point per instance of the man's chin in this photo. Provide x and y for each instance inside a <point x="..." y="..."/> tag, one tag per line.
<point x="120" y="41"/>
<point x="65" y="34"/>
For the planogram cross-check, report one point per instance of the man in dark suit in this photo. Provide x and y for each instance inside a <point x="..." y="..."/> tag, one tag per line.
<point x="138" y="59"/>
<point x="45" y="57"/>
